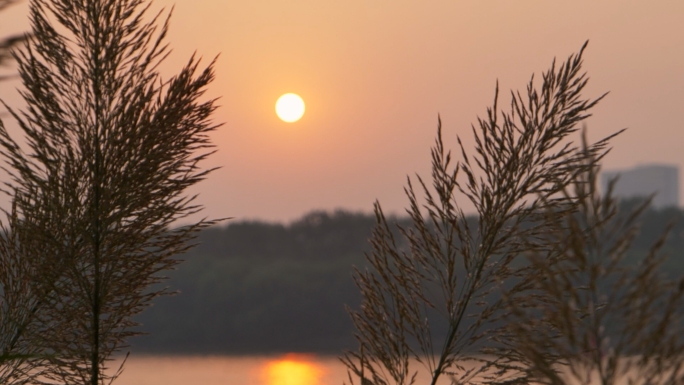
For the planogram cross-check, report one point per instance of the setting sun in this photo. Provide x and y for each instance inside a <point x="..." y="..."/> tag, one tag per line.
<point x="292" y="370"/>
<point x="290" y="108"/>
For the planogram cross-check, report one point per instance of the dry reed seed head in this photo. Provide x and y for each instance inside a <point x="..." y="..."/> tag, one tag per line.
<point x="634" y="288"/>
<point x="524" y="166"/>
<point x="112" y="149"/>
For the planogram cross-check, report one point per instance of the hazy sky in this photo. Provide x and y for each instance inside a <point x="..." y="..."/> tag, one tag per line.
<point x="376" y="73"/>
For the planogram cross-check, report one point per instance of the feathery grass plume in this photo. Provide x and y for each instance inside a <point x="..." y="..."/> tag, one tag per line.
<point x="433" y="291"/>
<point x="110" y="150"/>
<point x="594" y="318"/>
<point x="22" y="359"/>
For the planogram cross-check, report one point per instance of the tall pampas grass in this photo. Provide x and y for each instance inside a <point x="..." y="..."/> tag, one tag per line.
<point x="438" y="295"/>
<point x="110" y="151"/>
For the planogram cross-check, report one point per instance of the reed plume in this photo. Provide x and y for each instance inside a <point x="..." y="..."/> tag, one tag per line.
<point x="434" y="290"/>
<point x="591" y="316"/>
<point x="110" y="150"/>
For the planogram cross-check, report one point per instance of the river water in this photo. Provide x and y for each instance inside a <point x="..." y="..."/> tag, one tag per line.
<point x="290" y="369"/>
<point x="286" y="369"/>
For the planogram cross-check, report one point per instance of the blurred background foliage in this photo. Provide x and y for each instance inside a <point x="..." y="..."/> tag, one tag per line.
<point x="256" y="287"/>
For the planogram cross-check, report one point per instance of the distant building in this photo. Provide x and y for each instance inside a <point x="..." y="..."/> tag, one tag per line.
<point x="642" y="181"/>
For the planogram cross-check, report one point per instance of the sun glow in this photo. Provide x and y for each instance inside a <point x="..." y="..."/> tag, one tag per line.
<point x="290" y="108"/>
<point x="292" y="370"/>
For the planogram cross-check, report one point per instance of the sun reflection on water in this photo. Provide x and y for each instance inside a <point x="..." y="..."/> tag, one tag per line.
<point x="292" y="369"/>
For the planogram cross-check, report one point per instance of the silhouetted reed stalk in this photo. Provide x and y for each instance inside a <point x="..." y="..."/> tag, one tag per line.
<point x="593" y="317"/>
<point x="110" y="150"/>
<point x="433" y="292"/>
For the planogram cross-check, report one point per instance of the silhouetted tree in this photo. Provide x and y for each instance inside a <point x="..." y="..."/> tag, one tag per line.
<point x="110" y="150"/>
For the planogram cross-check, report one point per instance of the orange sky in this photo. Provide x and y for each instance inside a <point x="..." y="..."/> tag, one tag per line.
<point x="375" y="74"/>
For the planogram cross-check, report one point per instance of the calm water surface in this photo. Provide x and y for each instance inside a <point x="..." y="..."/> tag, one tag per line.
<point x="290" y="369"/>
<point x="287" y="369"/>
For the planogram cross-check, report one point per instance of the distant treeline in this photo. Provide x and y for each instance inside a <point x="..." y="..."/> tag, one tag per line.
<point x="255" y="287"/>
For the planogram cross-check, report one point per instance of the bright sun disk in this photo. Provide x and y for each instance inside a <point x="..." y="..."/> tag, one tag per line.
<point x="290" y="108"/>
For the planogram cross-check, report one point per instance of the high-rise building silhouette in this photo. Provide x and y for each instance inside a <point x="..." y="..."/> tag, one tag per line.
<point x="644" y="180"/>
